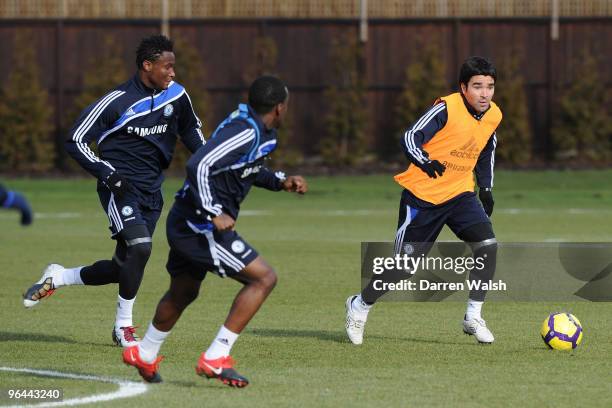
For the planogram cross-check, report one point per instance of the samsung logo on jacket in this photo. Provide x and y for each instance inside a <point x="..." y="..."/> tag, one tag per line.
<point x="250" y="170"/>
<point x="153" y="130"/>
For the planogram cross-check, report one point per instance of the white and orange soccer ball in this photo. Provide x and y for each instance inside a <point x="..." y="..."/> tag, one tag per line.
<point x="561" y="331"/>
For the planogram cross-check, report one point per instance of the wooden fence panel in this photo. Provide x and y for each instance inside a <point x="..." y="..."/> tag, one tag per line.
<point x="303" y="60"/>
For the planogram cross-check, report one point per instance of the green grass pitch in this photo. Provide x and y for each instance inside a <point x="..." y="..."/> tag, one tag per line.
<point x="295" y="351"/>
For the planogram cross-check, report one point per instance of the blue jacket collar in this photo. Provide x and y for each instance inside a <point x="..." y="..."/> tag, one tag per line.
<point x="243" y="107"/>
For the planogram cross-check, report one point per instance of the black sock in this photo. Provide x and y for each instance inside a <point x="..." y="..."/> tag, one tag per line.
<point x="488" y="253"/>
<point x="100" y="273"/>
<point x="371" y="295"/>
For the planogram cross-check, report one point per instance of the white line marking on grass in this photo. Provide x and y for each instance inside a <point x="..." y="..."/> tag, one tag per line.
<point x="41" y="215"/>
<point x="58" y="215"/>
<point x="572" y="211"/>
<point x="512" y="211"/>
<point x="126" y="389"/>
<point x="351" y="213"/>
<point x="588" y="211"/>
<point x="385" y="212"/>
<point x="254" y="213"/>
<point x="336" y="213"/>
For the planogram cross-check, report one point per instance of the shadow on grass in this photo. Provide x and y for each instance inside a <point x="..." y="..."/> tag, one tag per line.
<point x="340" y="336"/>
<point x="103" y="344"/>
<point x="34" y="337"/>
<point x="337" y="337"/>
<point x="182" y="383"/>
<point x="212" y="384"/>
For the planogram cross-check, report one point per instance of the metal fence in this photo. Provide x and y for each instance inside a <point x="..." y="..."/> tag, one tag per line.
<point x="300" y="8"/>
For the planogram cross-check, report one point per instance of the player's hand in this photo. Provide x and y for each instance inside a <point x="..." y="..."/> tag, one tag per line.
<point x="223" y="222"/>
<point x="118" y="185"/>
<point x="295" y="184"/>
<point x="486" y="198"/>
<point x="433" y="168"/>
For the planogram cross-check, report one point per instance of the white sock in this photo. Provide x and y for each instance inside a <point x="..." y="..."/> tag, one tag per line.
<point x="151" y="343"/>
<point x="222" y="344"/>
<point x="360" y="306"/>
<point x="124" y="312"/>
<point x="473" y="309"/>
<point x="68" y="277"/>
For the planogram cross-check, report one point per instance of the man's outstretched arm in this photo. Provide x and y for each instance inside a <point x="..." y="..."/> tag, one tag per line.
<point x="277" y="181"/>
<point x="15" y="200"/>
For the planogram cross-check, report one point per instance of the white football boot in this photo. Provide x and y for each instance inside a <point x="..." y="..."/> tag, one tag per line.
<point x="355" y="322"/>
<point x="44" y="287"/>
<point x="478" y="328"/>
<point x="125" y="336"/>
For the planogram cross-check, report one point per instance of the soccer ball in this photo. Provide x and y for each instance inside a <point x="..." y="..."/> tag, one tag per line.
<point x="561" y="331"/>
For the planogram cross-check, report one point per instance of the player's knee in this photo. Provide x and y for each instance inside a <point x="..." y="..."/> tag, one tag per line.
<point x="137" y="241"/>
<point x="486" y="249"/>
<point x="488" y="246"/>
<point x="182" y="295"/>
<point x="141" y="250"/>
<point x="188" y="295"/>
<point x="269" y="278"/>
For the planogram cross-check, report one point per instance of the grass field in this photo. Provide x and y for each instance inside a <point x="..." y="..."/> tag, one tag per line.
<point x="295" y="352"/>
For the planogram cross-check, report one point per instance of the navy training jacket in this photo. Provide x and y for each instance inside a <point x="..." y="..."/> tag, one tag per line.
<point x="135" y="128"/>
<point x="221" y="173"/>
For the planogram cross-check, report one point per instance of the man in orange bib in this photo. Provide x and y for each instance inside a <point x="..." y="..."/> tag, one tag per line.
<point x="446" y="146"/>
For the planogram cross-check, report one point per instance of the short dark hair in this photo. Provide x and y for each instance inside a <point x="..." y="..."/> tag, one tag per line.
<point x="266" y="92"/>
<point x="151" y="48"/>
<point x="476" y="66"/>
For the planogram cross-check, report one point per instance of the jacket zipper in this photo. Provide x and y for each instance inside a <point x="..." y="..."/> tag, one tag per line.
<point x="153" y="100"/>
